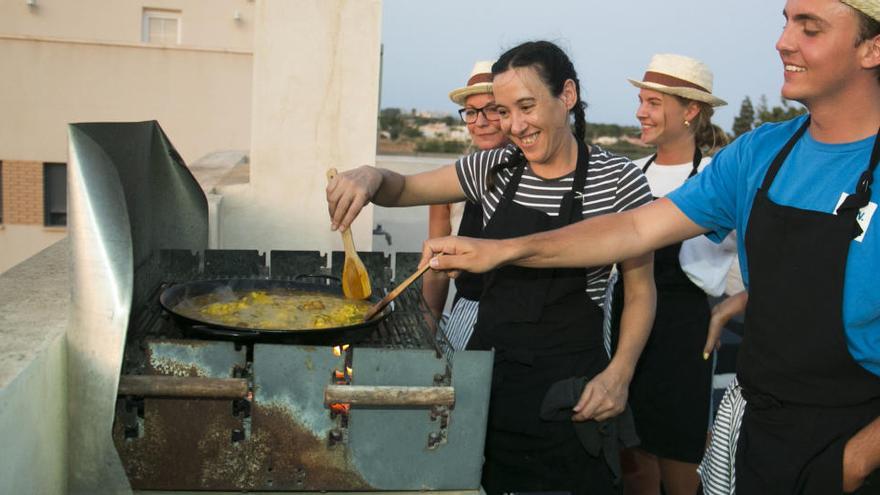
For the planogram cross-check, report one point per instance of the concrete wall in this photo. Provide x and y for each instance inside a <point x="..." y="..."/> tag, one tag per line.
<point x="203" y="23"/>
<point x="34" y="305"/>
<point x="315" y="106"/>
<point x="200" y="97"/>
<point x="33" y="424"/>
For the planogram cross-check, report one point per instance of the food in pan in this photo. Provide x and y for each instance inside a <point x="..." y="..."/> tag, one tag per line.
<point x="280" y="309"/>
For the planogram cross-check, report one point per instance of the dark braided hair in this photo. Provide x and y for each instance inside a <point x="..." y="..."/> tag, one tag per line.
<point x="554" y="68"/>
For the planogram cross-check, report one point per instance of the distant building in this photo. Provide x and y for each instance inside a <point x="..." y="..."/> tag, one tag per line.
<point x="606" y="140"/>
<point x="634" y="140"/>
<point x="187" y="64"/>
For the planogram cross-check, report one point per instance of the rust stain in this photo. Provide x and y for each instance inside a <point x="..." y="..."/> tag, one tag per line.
<point x="299" y="459"/>
<point x="187" y="445"/>
<point x="160" y="365"/>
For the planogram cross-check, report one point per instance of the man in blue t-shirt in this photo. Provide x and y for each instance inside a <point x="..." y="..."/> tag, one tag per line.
<point x="800" y="195"/>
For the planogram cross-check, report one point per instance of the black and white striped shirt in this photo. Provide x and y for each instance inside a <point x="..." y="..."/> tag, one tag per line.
<point x="613" y="184"/>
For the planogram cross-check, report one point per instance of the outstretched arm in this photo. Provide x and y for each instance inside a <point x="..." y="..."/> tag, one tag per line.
<point x="350" y="191"/>
<point x="597" y="241"/>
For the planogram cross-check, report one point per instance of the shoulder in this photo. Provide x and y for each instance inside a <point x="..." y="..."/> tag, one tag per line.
<point x="605" y="164"/>
<point x="489" y="157"/>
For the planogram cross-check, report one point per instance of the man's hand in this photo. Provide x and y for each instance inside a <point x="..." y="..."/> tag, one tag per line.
<point x="721" y="314"/>
<point x="349" y="192"/>
<point x="861" y="456"/>
<point x="463" y="254"/>
<point x="603" y="397"/>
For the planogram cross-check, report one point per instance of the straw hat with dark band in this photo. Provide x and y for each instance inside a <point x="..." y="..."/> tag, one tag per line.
<point x="870" y="8"/>
<point x="681" y="76"/>
<point x="479" y="82"/>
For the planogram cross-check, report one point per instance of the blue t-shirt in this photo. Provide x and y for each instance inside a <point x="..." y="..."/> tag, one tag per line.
<point x="812" y="178"/>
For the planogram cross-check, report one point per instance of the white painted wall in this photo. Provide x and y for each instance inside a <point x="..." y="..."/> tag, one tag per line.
<point x="200" y="97"/>
<point x="315" y="106"/>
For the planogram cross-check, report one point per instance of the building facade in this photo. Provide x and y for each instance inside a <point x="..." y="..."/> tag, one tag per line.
<point x="185" y="63"/>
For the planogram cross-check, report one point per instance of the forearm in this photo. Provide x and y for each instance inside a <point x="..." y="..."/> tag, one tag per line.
<point x="433" y="187"/>
<point x="637" y="318"/>
<point x="863" y="449"/>
<point x="602" y="240"/>
<point x="391" y="188"/>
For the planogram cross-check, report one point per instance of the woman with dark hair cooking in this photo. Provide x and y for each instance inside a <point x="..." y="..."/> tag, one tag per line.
<point x="545" y="325"/>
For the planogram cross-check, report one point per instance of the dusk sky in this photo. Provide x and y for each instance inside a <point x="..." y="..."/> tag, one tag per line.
<point x="430" y="46"/>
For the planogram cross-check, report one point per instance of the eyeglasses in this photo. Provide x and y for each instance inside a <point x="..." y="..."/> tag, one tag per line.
<point x="469" y="114"/>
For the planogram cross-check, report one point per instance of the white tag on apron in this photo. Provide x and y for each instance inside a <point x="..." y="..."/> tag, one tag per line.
<point x="863" y="217"/>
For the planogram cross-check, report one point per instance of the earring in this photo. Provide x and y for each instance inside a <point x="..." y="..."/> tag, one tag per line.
<point x="687" y="123"/>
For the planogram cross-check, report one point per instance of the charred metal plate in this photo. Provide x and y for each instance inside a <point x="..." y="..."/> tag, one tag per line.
<point x="184" y="444"/>
<point x="187" y="443"/>
<point x="209" y="359"/>
<point x="291" y="423"/>
<point x="397" y="448"/>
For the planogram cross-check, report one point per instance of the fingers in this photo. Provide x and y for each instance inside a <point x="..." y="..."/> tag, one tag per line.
<point x="713" y="338"/>
<point x="588" y="404"/>
<point x="345" y="200"/>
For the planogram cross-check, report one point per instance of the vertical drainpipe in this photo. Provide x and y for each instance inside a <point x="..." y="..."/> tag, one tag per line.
<point x="214" y="201"/>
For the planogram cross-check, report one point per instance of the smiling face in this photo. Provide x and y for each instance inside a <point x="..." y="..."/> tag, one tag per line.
<point x="662" y="117"/>
<point x="485" y="133"/>
<point x="534" y="119"/>
<point x="818" y="50"/>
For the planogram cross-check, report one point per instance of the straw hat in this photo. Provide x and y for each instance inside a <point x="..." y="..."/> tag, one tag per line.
<point x="479" y="82"/>
<point x="681" y="76"/>
<point x="870" y="8"/>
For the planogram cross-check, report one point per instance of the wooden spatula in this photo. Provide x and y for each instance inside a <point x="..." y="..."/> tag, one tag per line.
<point x="379" y="306"/>
<point x="355" y="279"/>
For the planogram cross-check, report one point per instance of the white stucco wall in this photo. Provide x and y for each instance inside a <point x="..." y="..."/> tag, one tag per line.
<point x="200" y="97"/>
<point x="315" y="106"/>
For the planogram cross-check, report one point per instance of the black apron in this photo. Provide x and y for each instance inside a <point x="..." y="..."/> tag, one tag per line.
<point x="805" y="394"/>
<point x="469" y="285"/>
<point x="671" y="387"/>
<point x="544" y="328"/>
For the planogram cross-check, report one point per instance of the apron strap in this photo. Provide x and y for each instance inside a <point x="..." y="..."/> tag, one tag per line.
<point x="782" y="155"/>
<point x="573" y="210"/>
<point x="862" y="195"/>
<point x="695" y="162"/>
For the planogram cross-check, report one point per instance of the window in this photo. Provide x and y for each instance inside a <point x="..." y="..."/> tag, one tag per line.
<point x="161" y="27"/>
<point x="55" y="194"/>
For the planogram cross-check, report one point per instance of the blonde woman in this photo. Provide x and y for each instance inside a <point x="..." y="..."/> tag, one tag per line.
<point x="671" y="389"/>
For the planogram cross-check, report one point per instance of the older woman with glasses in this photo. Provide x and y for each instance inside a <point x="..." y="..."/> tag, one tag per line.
<point x="464" y="217"/>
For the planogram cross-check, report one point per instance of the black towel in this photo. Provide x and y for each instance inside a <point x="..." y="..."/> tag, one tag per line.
<point x="598" y="437"/>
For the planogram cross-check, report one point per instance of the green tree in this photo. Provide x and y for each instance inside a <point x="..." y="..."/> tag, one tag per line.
<point x="777" y="113"/>
<point x="745" y="121"/>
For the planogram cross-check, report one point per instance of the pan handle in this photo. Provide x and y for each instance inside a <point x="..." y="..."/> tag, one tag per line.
<point x="375" y="395"/>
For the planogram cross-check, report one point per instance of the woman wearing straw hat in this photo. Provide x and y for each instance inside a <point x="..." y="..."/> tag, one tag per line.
<point x="544" y="325"/>
<point x="671" y="389"/>
<point x="464" y="217"/>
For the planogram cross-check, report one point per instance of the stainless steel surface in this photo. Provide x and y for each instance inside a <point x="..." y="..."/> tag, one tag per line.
<point x="129" y="196"/>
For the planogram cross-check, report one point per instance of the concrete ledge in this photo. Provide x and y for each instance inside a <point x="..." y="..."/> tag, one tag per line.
<point x="34" y="305"/>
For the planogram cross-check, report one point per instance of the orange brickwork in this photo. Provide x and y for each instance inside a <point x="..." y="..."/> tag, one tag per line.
<point x="22" y="192"/>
